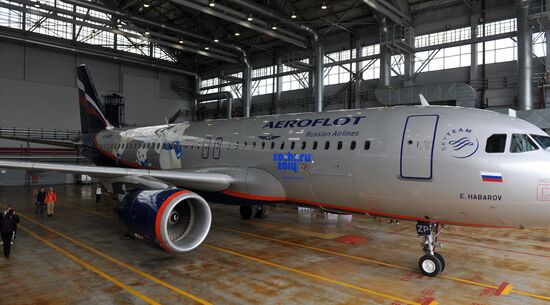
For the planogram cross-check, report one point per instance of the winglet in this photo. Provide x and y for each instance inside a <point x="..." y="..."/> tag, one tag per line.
<point x="423" y="100"/>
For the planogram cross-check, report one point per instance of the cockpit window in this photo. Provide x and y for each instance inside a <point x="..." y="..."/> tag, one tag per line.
<point x="496" y="143"/>
<point x="544" y="141"/>
<point x="522" y="143"/>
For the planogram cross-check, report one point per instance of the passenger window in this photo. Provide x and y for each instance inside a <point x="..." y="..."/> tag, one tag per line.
<point x="272" y="145"/>
<point x="327" y="145"/>
<point x="496" y="143"/>
<point x="367" y="145"/>
<point x="352" y="145"/>
<point x="292" y="145"/>
<point x="522" y="143"/>
<point x="283" y="145"/>
<point x="304" y="145"/>
<point x="315" y="145"/>
<point x="340" y="144"/>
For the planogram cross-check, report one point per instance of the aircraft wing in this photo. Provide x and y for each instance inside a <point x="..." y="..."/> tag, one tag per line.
<point x="203" y="181"/>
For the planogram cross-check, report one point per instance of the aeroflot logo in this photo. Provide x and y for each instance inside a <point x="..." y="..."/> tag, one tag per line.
<point x="325" y="122"/>
<point x="291" y="162"/>
<point x="460" y="143"/>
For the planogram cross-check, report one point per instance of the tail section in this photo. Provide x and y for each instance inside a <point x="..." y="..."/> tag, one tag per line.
<point x="92" y="119"/>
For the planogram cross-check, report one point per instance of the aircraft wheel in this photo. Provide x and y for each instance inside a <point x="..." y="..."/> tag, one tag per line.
<point x="247" y="211"/>
<point x="441" y="260"/>
<point x="261" y="212"/>
<point x="429" y="265"/>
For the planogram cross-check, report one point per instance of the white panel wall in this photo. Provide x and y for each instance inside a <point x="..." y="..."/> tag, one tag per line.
<point x="38" y="90"/>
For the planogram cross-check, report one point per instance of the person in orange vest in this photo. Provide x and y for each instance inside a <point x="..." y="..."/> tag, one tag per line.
<point x="51" y="198"/>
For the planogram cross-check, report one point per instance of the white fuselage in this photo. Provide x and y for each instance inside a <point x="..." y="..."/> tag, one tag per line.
<point x="402" y="162"/>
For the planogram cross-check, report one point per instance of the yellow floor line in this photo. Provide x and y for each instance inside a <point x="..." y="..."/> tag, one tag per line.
<point x="314" y="248"/>
<point x="312" y="275"/>
<point x="91" y="268"/>
<point x="91" y="211"/>
<point x="372" y="292"/>
<point x="118" y="262"/>
<point x="456" y="279"/>
<point x="533" y="295"/>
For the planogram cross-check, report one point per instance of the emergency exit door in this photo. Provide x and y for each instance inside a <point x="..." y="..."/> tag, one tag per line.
<point x="417" y="147"/>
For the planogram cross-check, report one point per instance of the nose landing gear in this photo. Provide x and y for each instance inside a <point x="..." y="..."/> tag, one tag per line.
<point x="432" y="263"/>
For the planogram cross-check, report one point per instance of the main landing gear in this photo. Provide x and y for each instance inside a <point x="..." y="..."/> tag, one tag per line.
<point x="432" y="263"/>
<point x="251" y="211"/>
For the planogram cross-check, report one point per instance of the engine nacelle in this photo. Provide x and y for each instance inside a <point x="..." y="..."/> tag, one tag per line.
<point x="178" y="220"/>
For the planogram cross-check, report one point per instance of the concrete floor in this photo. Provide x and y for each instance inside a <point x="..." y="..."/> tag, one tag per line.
<point x="80" y="256"/>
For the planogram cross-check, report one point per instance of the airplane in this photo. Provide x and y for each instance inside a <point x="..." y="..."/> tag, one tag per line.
<point x="436" y="165"/>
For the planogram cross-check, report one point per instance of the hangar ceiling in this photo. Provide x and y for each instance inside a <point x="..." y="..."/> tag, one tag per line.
<point x="195" y="32"/>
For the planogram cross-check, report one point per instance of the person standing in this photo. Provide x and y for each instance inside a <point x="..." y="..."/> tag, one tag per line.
<point x="97" y="196"/>
<point x="8" y="226"/>
<point x="40" y="199"/>
<point x="51" y="198"/>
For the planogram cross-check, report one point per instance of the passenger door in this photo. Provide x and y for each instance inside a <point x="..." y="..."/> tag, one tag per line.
<point x="417" y="147"/>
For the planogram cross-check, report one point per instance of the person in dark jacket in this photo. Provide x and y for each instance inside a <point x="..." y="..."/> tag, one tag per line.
<point x="40" y="199"/>
<point x="8" y="225"/>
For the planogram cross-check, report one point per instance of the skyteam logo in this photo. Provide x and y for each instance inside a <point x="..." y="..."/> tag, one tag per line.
<point x="460" y="143"/>
<point x="292" y="162"/>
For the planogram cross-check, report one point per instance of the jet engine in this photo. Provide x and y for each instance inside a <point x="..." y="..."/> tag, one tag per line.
<point x="178" y="220"/>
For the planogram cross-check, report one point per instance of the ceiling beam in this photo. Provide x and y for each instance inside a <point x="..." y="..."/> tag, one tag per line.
<point x="389" y="11"/>
<point x="239" y="18"/>
<point x="54" y="14"/>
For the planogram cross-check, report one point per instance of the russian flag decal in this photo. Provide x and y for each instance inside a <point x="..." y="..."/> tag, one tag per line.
<point x="491" y="177"/>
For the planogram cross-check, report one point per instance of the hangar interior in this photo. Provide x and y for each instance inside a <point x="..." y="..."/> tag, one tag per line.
<point x="188" y="60"/>
<point x="167" y="61"/>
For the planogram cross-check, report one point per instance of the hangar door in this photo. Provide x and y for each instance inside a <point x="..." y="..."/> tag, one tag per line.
<point x="417" y="146"/>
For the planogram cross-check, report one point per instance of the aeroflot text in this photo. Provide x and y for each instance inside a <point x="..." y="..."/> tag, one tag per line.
<point x="325" y="122"/>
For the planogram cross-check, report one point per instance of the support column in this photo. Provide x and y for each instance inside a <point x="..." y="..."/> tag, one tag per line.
<point x="474" y="21"/>
<point x="525" y="55"/>
<point x="195" y="103"/>
<point x="318" y="72"/>
<point x="279" y="82"/>
<point x="385" y="55"/>
<point x="358" y="77"/>
<point x="247" y="93"/>
<point x="409" y="70"/>
<point x="385" y="67"/>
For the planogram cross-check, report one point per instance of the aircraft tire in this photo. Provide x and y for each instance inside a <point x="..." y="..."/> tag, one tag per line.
<point x="441" y="260"/>
<point x="429" y="265"/>
<point x="247" y="211"/>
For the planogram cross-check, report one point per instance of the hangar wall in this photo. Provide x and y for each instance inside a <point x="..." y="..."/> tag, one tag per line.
<point x="502" y="77"/>
<point x="501" y="93"/>
<point x="38" y="90"/>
